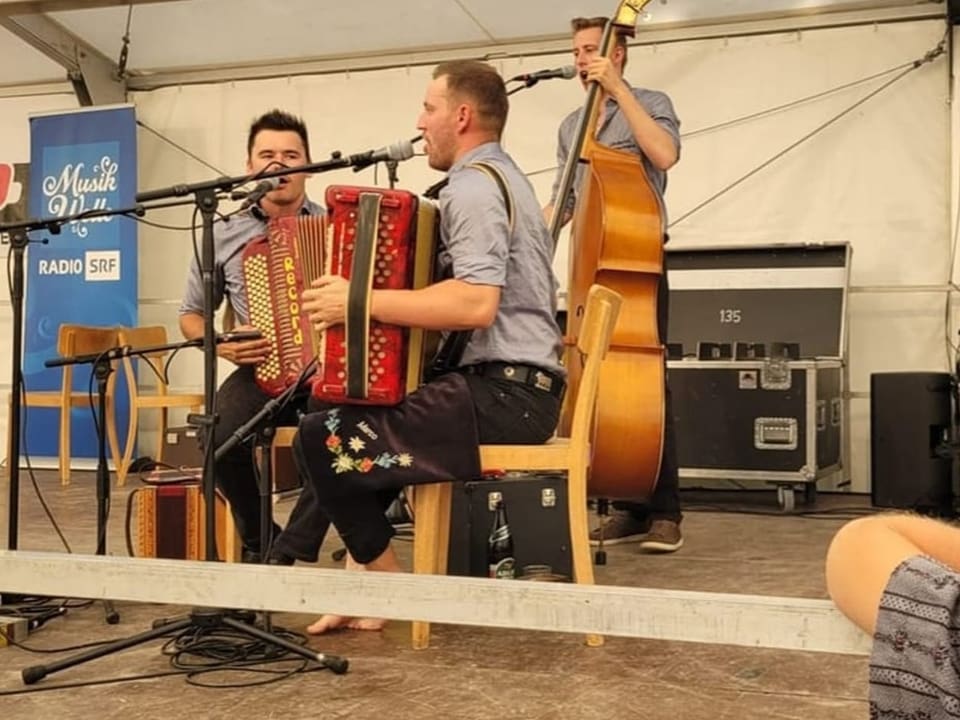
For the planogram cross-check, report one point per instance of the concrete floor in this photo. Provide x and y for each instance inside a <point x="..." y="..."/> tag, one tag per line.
<point x="472" y="672"/>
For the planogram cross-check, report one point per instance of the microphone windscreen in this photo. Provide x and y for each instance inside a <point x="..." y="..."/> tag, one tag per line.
<point x="399" y="151"/>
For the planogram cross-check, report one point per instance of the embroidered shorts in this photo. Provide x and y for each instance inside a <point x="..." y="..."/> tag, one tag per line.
<point x="914" y="663"/>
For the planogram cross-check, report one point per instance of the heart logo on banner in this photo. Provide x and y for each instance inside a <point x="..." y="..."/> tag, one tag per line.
<point x="9" y="189"/>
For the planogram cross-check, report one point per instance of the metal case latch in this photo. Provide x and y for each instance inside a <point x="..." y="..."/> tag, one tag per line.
<point x="775" y="374"/>
<point x="775" y="433"/>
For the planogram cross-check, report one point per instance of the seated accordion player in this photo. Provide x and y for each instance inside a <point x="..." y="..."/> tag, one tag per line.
<point x="377" y="239"/>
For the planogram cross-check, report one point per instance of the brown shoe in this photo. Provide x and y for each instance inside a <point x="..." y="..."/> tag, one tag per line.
<point x="664" y="537"/>
<point x="621" y="527"/>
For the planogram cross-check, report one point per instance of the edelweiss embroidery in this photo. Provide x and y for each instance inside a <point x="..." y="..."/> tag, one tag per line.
<point x="343" y="461"/>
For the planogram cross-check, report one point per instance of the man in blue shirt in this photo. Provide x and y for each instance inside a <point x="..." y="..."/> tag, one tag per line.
<point x="276" y="139"/>
<point x="508" y="385"/>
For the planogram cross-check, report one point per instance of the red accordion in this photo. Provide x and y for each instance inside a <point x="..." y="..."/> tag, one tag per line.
<point x="376" y="238"/>
<point x="276" y="269"/>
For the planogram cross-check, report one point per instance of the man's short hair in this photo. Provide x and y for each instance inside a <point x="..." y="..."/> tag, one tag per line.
<point x="482" y="84"/>
<point x="278" y="120"/>
<point x="600" y="21"/>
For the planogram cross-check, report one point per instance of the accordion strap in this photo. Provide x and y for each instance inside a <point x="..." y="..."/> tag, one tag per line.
<point x="455" y="344"/>
<point x="358" y="299"/>
<point x="494" y="174"/>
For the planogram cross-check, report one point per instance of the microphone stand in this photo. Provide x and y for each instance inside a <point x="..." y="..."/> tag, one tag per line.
<point x="262" y="427"/>
<point x="392" y="177"/>
<point x="18" y="244"/>
<point x="102" y="367"/>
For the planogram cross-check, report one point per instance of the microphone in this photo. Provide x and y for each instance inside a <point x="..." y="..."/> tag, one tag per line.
<point x="566" y="72"/>
<point x="261" y="189"/>
<point x="239" y="336"/>
<point x="401" y="150"/>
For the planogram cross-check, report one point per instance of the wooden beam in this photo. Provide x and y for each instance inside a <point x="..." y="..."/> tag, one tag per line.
<point x="747" y="620"/>
<point x="93" y="75"/>
<point x="28" y="7"/>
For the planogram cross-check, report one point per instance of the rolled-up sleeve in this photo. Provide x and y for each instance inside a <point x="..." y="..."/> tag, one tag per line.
<point x="660" y="108"/>
<point x="476" y="227"/>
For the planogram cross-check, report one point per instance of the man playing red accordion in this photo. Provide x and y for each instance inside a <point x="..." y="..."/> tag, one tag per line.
<point x="508" y="384"/>
<point x="276" y="139"/>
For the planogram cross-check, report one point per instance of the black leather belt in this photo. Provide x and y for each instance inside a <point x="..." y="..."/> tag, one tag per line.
<point x="527" y="374"/>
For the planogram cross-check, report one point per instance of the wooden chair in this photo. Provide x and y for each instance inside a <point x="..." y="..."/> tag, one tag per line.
<point x="77" y="340"/>
<point x="432" y="502"/>
<point x="161" y="399"/>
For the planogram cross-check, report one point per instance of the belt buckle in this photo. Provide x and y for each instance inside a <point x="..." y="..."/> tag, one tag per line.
<point x="542" y="381"/>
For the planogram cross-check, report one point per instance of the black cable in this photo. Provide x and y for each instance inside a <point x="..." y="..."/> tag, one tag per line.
<point x="204" y="650"/>
<point x="51" y="651"/>
<point x="30" y="473"/>
<point x="182" y="149"/>
<point x="127" y="532"/>
<point x="144" y="221"/>
<point x="193" y="236"/>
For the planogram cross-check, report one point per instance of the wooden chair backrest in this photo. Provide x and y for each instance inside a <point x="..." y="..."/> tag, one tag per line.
<point x="85" y="339"/>
<point x="600" y="317"/>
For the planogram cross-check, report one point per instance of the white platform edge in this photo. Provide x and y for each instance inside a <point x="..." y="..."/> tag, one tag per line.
<point x="746" y="620"/>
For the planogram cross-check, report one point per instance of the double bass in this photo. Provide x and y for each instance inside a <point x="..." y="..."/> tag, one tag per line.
<point x="616" y="240"/>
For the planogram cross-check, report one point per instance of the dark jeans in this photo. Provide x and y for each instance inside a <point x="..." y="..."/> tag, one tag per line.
<point x="664" y="504"/>
<point x="506" y="412"/>
<point x="239" y="398"/>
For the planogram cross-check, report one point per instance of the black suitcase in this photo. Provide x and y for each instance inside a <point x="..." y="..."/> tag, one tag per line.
<point x="537" y="512"/>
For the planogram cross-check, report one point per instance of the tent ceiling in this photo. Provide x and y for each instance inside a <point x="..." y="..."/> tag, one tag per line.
<point x="177" y="35"/>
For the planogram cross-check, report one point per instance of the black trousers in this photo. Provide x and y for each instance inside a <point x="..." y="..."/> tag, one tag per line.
<point x="665" y="502"/>
<point x="238" y="399"/>
<point x="505" y="411"/>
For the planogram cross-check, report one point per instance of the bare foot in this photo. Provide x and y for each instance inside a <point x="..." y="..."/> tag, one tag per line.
<point x="327" y="623"/>
<point x="364" y="623"/>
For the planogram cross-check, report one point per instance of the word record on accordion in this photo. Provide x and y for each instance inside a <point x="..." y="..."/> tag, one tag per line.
<point x="377" y="239"/>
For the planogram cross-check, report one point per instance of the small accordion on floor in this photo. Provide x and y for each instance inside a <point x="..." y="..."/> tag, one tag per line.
<point x="171" y="523"/>
<point x="377" y="239"/>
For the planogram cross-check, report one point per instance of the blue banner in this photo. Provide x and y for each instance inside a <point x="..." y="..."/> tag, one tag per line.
<point x="87" y="274"/>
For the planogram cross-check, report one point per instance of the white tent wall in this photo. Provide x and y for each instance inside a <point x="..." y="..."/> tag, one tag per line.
<point x="878" y="178"/>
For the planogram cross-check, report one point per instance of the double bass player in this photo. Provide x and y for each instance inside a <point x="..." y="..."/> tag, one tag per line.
<point x="642" y="122"/>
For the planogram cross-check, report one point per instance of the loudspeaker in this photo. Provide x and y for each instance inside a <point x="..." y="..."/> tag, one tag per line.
<point x="910" y="465"/>
<point x="953" y="11"/>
